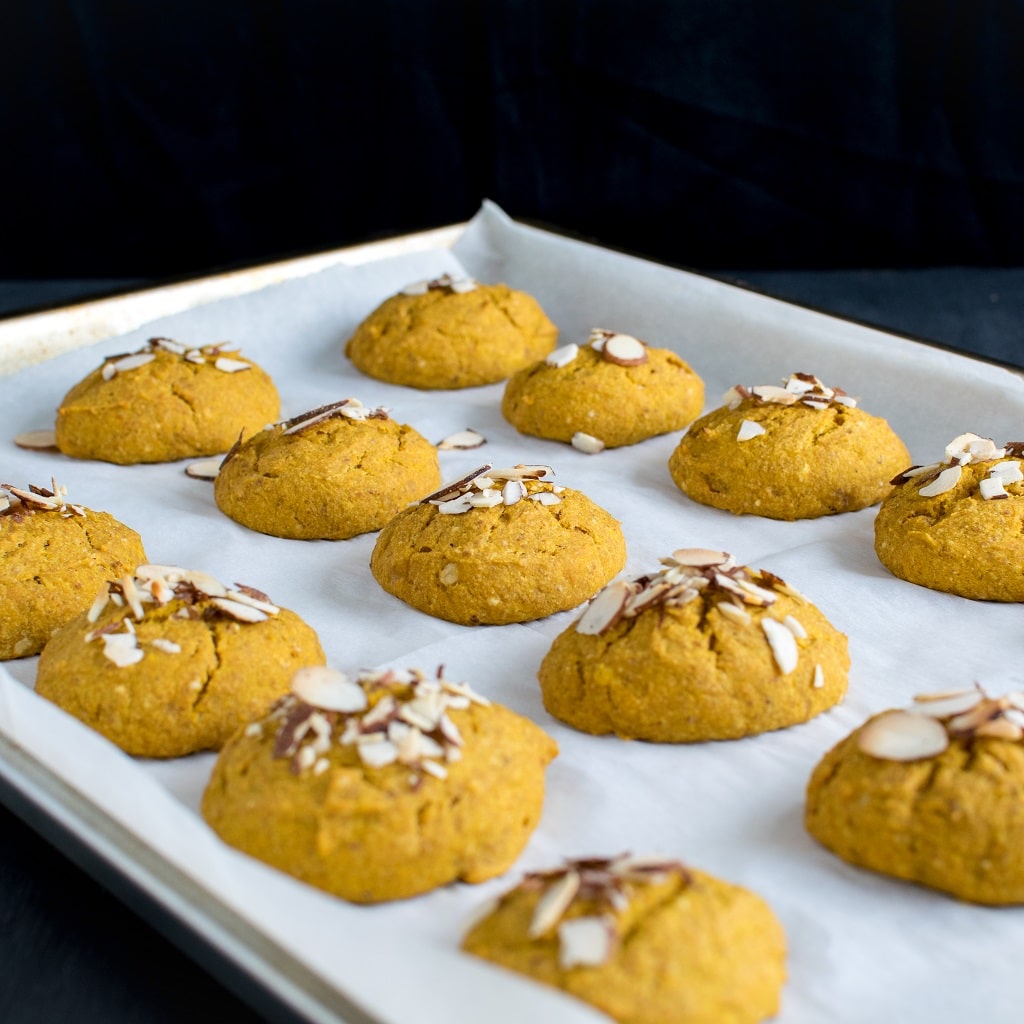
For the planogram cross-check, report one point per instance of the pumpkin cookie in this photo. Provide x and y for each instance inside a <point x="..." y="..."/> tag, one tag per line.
<point x="165" y="402"/>
<point x="170" y="661"/>
<point x="498" y="546"/>
<point x="331" y="473"/>
<point x="933" y="795"/>
<point x="703" y="649"/>
<point x="54" y="556"/>
<point x="796" y="452"/>
<point x="958" y="525"/>
<point x="645" y="940"/>
<point x="381" y="788"/>
<point x="615" y="390"/>
<point x="451" y="333"/>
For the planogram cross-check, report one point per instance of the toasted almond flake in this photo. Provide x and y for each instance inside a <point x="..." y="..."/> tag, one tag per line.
<point x="512" y="491"/>
<point x="783" y="645"/>
<point x="624" y="350"/>
<point x="730" y="611"/>
<point x="795" y="626"/>
<point x="944" y="707"/>
<point x="546" y="498"/>
<point x="329" y="689"/>
<point x="818" y="680"/>
<point x="901" y="736"/>
<point x="1001" y="729"/>
<point x="605" y="609"/>
<point x="205" y="469"/>
<point x="585" y="942"/>
<point x="37" y="440"/>
<point x="945" y="481"/>
<point x="749" y="430"/>
<point x="165" y="645"/>
<point x="553" y="904"/>
<point x="563" y="356"/>
<point x="238" y="611"/>
<point x="463" y="440"/>
<point x="227" y="365"/>
<point x="991" y="488"/>
<point x="587" y="443"/>
<point x="700" y="558"/>
<point x="378" y="754"/>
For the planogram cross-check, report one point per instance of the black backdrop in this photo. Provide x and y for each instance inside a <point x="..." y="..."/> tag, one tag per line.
<point x="157" y="138"/>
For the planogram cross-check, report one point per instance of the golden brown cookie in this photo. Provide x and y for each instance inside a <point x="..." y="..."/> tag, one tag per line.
<point x="958" y="525"/>
<point x="451" y="333"/>
<point x="646" y="941"/>
<point x="165" y="402"/>
<point x="796" y="452"/>
<point x="613" y="391"/>
<point x="702" y="649"/>
<point x="498" y="546"/>
<point x="54" y="556"/>
<point x="170" y="661"/>
<point x="933" y="795"/>
<point x="331" y="473"/>
<point x="381" y="788"/>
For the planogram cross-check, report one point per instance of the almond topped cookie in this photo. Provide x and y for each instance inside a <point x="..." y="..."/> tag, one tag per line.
<point x="793" y="452"/>
<point x="932" y="794"/>
<point x="54" y="555"/>
<point x="170" y="661"/>
<point x="330" y="473"/>
<point x="613" y="390"/>
<point x="701" y="649"/>
<point x="381" y="786"/>
<point x="452" y="332"/>
<point x="645" y="940"/>
<point x="958" y="525"/>
<point x="165" y="402"/>
<point x="498" y="546"/>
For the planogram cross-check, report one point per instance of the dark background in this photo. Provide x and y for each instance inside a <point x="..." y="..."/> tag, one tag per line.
<point x="862" y="156"/>
<point x="146" y="139"/>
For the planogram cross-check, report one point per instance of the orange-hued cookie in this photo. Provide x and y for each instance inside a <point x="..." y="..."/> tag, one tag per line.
<point x="170" y="661"/>
<point x="54" y="556"/>
<point x="165" y="402"/>
<point x="329" y="474"/>
<point x="381" y="787"/>
<point x="958" y="525"/>
<point x="793" y="452"/>
<point x="644" y="940"/>
<point x="614" y="390"/>
<point x="451" y="333"/>
<point x="702" y="649"/>
<point x="933" y="794"/>
<point x="499" y="546"/>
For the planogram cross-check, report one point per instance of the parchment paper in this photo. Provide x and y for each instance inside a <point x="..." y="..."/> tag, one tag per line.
<point x="862" y="947"/>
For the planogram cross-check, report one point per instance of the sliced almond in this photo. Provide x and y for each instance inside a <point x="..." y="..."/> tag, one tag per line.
<point x="379" y="754"/>
<point x="1008" y="472"/>
<point x="553" y="904"/>
<point x="749" y="430"/>
<point x="901" y="736"/>
<point x="512" y="491"/>
<point x="944" y="706"/>
<point x="818" y="680"/>
<point x="456" y="506"/>
<point x="991" y="488"/>
<point x="605" y="609"/>
<point x="238" y="611"/>
<point x="730" y="611"/>
<point x="132" y="362"/>
<point x="624" y="350"/>
<point x="563" y="356"/>
<point x="585" y="942"/>
<point x="945" y="481"/>
<point x="1000" y="729"/>
<point x="546" y="498"/>
<point x="772" y="393"/>
<point x="122" y="649"/>
<point x="587" y="443"/>
<point x="795" y="626"/>
<point x="783" y="645"/>
<point x="37" y="440"/>
<point x="205" y="469"/>
<point x="226" y="365"/>
<point x="463" y="440"/>
<point x="416" y="288"/>
<point x="700" y="558"/>
<point x="456" y="488"/>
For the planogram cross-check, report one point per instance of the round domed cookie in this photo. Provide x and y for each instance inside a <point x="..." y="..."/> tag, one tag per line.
<point x="165" y="402"/>
<point x="794" y="452"/>
<point x="170" y="661"/>
<point x="498" y="546"/>
<point x="958" y="525"/>
<point x="331" y="473"/>
<point x="702" y="649"/>
<point x="933" y="794"/>
<point x="54" y="556"/>
<point x="645" y="940"/>
<point x="451" y="333"/>
<point x="615" y="390"/>
<point x="383" y="787"/>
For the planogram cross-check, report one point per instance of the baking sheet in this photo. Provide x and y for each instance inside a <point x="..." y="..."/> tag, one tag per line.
<point x="860" y="946"/>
